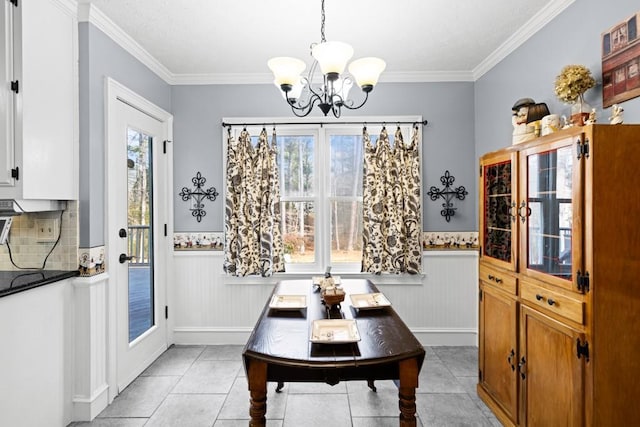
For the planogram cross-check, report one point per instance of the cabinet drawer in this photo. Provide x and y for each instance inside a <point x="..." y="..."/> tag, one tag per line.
<point x="498" y="278"/>
<point x="556" y="302"/>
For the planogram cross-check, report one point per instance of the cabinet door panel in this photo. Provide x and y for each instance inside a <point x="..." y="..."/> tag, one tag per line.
<point x="550" y="212"/>
<point x="498" y="228"/>
<point x="6" y="95"/>
<point x="498" y="358"/>
<point x="551" y="374"/>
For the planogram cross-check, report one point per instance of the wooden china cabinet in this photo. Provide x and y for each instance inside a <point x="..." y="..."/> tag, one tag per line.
<point x="559" y="267"/>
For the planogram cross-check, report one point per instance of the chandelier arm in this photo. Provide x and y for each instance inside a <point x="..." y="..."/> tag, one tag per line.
<point x="346" y="105"/>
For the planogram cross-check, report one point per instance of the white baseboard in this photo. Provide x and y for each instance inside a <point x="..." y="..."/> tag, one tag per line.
<point x="87" y="408"/>
<point x="211" y="335"/>
<point x="239" y="336"/>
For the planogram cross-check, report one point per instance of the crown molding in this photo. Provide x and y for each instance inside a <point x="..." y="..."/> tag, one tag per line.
<point x="531" y="27"/>
<point x="267" y="78"/>
<point x="89" y="13"/>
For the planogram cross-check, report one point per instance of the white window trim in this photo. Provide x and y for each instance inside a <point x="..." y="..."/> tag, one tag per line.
<point x="321" y="131"/>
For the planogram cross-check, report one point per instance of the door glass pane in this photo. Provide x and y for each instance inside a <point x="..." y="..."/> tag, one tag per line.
<point x="140" y="232"/>
<point x="497" y="204"/>
<point x="549" y="224"/>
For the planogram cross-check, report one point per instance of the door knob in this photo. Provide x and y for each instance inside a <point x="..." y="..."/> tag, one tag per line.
<point x="123" y="257"/>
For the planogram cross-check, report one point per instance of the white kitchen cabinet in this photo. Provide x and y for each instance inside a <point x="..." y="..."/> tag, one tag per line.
<point x="39" y="145"/>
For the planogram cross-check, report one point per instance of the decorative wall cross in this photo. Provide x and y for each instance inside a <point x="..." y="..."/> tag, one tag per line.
<point x="447" y="193"/>
<point x="198" y="195"/>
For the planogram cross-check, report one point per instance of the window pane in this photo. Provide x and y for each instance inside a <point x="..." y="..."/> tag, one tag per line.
<point x="346" y="231"/>
<point x="346" y="165"/>
<point x="298" y="231"/>
<point x="295" y="161"/>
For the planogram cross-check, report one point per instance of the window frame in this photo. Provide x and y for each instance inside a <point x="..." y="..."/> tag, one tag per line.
<point x="322" y="131"/>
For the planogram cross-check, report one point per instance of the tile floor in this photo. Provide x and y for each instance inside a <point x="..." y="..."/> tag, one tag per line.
<point x="206" y="386"/>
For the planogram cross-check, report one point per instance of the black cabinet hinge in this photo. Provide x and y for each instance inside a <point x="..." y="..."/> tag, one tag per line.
<point x="480" y="374"/>
<point x="165" y="230"/>
<point x="582" y="148"/>
<point x="166" y="311"/>
<point x="480" y="170"/>
<point x="14" y="2"/>
<point x="15" y="173"/>
<point x="164" y="146"/>
<point x="582" y="349"/>
<point x="15" y="86"/>
<point x="480" y="294"/>
<point x="583" y="281"/>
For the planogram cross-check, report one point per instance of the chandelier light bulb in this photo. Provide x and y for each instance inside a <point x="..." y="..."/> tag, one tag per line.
<point x="286" y="71"/>
<point x="332" y="57"/>
<point x="367" y="71"/>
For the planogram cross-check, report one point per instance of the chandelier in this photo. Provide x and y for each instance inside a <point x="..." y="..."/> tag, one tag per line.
<point x="332" y="94"/>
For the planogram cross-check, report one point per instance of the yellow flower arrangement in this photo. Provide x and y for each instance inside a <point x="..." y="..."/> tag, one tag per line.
<point x="572" y="82"/>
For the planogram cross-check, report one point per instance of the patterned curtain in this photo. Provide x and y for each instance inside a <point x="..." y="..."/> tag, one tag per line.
<point x="252" y="214"/>
<point x="392" y="233"/>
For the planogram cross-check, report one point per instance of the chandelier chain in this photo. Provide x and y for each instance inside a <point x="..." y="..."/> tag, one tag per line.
<point x="322" y="37"/>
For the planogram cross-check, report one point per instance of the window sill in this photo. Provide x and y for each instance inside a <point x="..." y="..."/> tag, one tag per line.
<point x="383" y="279"/>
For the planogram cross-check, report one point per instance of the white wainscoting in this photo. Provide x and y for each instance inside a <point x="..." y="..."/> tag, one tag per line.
<point x="207" y="307"/>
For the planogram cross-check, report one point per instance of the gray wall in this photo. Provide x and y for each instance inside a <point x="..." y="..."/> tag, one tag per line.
<point x="573" y="37"/>
<point x="448" y="141"/>
<point x="100" y="57"/>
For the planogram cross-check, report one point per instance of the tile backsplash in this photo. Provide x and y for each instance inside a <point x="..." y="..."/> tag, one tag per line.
<point x="28" y="252"/>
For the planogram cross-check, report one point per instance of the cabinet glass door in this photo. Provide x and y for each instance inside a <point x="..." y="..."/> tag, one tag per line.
<point x="551" y="212"/>
<point x="497" y="207"/>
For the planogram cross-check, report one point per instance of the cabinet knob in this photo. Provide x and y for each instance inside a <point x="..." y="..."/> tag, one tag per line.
<point x="539" y="297"/>
<point x="551" y="301"/>
<point x="510" y="359"/>
<point x="521" y="368"/>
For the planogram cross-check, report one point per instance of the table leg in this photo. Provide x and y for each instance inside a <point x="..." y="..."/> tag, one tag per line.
<point x="407" y="392"/>
<point x="257" y="378"/>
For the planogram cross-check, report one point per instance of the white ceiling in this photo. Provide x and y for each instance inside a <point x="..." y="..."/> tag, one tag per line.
<point x="230" y="41"/>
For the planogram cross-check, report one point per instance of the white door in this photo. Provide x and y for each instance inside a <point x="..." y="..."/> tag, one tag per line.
<point x="138" y="195"/>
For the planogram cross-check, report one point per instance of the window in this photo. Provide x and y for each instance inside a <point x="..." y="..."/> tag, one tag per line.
<point x="321" y="168"/>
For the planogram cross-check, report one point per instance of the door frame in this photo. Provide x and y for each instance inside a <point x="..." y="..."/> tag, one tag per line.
<point x="116" y="93"/>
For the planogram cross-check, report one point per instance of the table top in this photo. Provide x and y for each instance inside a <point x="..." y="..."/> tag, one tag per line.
<point x="283" y="337"/>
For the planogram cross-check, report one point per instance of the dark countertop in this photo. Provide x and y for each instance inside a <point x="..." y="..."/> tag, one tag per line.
<point x="12" y="282"/>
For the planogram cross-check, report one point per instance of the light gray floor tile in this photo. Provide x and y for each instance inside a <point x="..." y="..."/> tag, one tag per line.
<point x="236" y="406"/>
<point x="175" y="361"/>
<point x="317" y="410"/>
<point x="141" y="398"/>
<point x="187" y="410"/>
<point x="435" y="377"/>
<point x="243" y="423"/>
<point x="222" y="352"/>
<point x="446" y="410"/>
<point x="364" y="402"/>
<point x="209" y="376"/>
<point x="111" y="422"/>
<point x="461" y="361"/>
<point x="379" y="422"/>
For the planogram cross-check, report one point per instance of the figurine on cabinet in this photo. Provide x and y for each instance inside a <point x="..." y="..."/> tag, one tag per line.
<point x="592" y="117"/>
<point x="521" y="130"/>
<point x="617" y="116"/>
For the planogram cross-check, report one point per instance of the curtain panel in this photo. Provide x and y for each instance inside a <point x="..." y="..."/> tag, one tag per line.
<point x="252" y="208"/>
<point x="392" y="231"/>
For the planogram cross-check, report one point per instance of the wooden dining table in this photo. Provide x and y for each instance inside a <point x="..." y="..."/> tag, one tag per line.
<point x="280" y="348"/>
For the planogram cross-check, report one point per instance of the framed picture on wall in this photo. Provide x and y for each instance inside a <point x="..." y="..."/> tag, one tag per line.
<point x="621" y="61"/>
